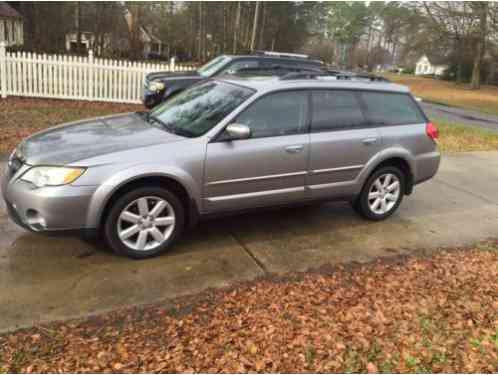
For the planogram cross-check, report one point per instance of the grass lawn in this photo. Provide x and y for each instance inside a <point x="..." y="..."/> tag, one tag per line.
<point x="459" y="137"/>
<point x="424" y="314"/>
<point x="21" y="117"/>
<point x="484" y="100"/>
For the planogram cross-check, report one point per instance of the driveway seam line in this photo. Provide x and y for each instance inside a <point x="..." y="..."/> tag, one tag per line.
<point x="466" y="191"/>
<point x="251" y="254"/>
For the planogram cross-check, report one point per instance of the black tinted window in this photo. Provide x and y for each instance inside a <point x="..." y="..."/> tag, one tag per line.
<point x="335" y="109"/>
<point x="240" y="65"/>
<point x="277" y="114"/>
<point x="391" y="109"/>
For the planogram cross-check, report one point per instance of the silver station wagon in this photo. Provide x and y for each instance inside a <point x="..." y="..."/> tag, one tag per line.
<point x="223" y="145"/>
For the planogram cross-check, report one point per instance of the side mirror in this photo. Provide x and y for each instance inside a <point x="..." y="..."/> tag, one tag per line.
<point x="238" y="131"/>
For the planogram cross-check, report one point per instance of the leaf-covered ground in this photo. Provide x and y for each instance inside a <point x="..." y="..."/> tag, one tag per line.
<point x="435" y="313"/>
<point x="21" y="117"/>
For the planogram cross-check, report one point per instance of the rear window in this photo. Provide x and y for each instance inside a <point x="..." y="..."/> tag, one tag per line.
<point x="384" y="108"/>
<point x="335" y="109"/>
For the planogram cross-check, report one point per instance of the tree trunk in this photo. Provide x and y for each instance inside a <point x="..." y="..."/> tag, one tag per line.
<point x="481" y="46"/>
<point x="261" y="44"/>
<point x="236" y="28"/>
<point x="255" y="26"/>
<point x="78" y="27"/>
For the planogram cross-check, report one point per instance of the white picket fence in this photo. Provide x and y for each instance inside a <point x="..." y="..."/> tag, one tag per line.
<point x="73" y="77"/>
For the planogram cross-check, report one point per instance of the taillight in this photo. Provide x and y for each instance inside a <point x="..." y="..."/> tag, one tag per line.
<point x="431" y="131"/>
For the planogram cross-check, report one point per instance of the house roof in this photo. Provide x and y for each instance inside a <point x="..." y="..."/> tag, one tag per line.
<point x="7" y="11"/>
<point x="151" y="36"/>
<point x="437" y="59"/>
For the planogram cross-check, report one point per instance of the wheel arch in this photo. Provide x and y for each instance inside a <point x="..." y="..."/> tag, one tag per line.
<point x="109" y="191"/>
<point x="401" y="159"/>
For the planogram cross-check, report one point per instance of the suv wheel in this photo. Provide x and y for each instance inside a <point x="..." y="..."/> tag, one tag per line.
<point x="144" y="222"/>
<point x="382" y="194"/>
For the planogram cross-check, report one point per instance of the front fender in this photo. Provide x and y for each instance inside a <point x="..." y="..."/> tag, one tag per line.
<point x="105" y="191"/>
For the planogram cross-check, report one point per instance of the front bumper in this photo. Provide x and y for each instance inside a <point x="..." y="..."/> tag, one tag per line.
<point x="46" y="209"/>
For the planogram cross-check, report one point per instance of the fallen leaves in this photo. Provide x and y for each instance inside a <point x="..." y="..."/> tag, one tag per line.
<point x="435" y="314"/>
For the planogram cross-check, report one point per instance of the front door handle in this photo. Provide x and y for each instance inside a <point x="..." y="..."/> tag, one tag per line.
<point x="369" y="141"/>
<point x="294" y="149"/>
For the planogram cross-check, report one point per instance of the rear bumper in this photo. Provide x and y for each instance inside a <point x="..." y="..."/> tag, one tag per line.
<point x="58" y="208"/>
<point x="427" y="166"/>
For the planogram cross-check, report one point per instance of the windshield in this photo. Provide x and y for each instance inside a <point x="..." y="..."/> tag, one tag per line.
<point x="197" y="110"/>
<point x="208" y="69"/>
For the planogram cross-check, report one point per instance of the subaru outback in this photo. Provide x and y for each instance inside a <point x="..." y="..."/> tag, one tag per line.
<point x="223" y="146"/>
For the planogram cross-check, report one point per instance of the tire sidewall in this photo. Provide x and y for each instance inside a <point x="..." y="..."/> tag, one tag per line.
<point x="363" y="202"/>
<point x="110" y="229"/>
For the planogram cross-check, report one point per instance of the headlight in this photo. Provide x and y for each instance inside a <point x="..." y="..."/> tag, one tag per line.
<point x="52" y="176"/>
<point x="156" y="86"/>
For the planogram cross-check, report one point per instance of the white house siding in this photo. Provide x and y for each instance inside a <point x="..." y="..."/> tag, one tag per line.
<point x="424" y="67"/>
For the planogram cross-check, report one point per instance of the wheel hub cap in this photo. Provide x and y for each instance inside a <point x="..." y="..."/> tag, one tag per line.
<point x="146" y="223"/>
<point x="384" y="193"/>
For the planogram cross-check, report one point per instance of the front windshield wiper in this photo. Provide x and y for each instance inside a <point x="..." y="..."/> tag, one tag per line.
<point x="169" y="127"/>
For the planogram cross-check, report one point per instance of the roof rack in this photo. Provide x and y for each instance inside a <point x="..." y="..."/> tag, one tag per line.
<point x="281" y="54"/>
<point x="303" y="75"/>
<point x="333" y="74"/>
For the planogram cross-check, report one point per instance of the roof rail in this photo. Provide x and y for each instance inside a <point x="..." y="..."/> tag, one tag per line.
<point x="333" y="74"/>
<point x="281" y="54"/>
<point x="303" y="75"/>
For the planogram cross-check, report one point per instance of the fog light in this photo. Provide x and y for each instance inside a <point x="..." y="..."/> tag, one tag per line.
<point x="35" y="220"/>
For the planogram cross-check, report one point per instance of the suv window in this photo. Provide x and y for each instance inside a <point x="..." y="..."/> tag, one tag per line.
<point x="391" y="109"/>
<point x="238" y="65"/>
<point x="335" y="109"/>
<point x="281" y="113"/>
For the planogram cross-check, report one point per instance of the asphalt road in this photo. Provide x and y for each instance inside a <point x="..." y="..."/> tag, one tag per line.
<point x="46" y="278"/>
<point x="462" y="116"/>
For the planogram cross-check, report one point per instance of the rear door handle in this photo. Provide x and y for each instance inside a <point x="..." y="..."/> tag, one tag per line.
<point x="294" y="149"/>
<point x="369" y="141"/>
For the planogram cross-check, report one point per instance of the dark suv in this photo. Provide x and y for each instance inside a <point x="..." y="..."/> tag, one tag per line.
<point x="159" y="86"/>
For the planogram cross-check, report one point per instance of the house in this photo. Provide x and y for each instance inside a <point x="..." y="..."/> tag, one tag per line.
<point x="11" y="25"/>
<point x="431" y="65"/>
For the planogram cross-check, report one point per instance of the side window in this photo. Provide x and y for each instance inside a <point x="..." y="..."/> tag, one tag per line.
<point x="281" y="113"/>
<point x="335" y="109"/>
<point x="391" y="109"/>
<point x="238" y="65"/>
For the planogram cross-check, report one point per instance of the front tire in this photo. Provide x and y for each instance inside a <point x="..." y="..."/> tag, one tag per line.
<point x="144" y="222"/>
<point x="382" y="194"/>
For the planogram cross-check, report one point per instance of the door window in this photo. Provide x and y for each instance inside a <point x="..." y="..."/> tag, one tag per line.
<point x="334" y="110"/>
<point x="385" y="108"/>
<point x="239" y="65"/>
<point x="276" y="114"/>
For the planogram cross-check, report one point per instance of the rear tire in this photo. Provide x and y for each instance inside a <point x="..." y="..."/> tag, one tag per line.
<point x="382" y="194"/>
<point x="144" y="222"/>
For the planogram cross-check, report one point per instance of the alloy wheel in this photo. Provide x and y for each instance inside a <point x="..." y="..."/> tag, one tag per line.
<point x="384" y="193"/>
<point x="146" y="223"/>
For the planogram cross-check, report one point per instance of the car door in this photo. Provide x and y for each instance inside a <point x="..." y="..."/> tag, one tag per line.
<point x="341" y="143"/>
<point x="269" y="167"/>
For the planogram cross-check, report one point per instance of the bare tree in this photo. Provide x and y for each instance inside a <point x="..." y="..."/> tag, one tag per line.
<point x="255" y="26"/>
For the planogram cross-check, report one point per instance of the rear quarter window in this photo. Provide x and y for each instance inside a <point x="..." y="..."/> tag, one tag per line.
<point x="383" y="108"/>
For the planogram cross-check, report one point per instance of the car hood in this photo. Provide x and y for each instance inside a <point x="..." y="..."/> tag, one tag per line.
<point x="165" y="76"/>
<point x="69" y="143"/>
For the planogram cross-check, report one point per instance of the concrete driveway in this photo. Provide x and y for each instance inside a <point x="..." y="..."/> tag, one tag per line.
<point x="45" y="278"/>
